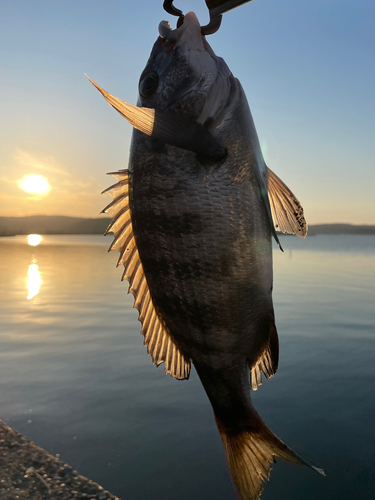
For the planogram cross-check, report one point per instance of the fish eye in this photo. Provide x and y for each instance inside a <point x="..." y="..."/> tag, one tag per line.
<point x="149" y="84"/>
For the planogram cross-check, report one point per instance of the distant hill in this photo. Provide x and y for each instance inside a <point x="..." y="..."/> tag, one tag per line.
<point x="340" y="229"/>
<point x="52" y="224"/>
<point x="60" y="224"/>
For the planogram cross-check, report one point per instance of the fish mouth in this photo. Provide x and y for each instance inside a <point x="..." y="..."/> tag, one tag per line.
<point x="188" y="32"/>
<point x="189" y="22"/>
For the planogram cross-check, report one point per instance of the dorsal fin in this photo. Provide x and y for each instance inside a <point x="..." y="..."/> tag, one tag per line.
<point x="287" y="211"/>
<point x="157" y="338"/>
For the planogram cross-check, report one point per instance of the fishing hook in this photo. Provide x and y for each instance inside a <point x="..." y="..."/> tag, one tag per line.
<point x="209" y="29"/>
<point x="171" y="9"/>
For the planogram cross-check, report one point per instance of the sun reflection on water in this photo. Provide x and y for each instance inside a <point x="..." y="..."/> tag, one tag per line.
<point x="33" y="276"/>
<point x="33" y="279"/>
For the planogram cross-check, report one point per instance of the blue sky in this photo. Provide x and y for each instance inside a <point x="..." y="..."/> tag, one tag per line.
<point x="308" y="70"/>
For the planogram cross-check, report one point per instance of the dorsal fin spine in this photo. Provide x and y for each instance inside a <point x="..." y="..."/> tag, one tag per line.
<point x="167" y="364"/>
<point x="173" y="364"/>
<point x="150" y="346"/>
<point x="148" y="319"/>
<point x="157" y="349"/>
<point x="136" y="280"/>
<point x="154" y="340"/>
<point x="153" y="320"/>
<point x="119" y="187"/>
<point x="137" y="271"/>
<point x="139" y="289"/>
<point x="123" y="257"/>
<point x="161" y="350"/>
<point x="131" y="261"/>
<point x="119" y="242"/>
<point x="112" y="228"/>
<point x="144" y="304"/>
<point x="127" y="237"/>
<point x="111" y="208"/>
<point x="120" y="175"/>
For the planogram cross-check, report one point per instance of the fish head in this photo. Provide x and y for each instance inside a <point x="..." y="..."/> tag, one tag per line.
<point x="184" y="75"/>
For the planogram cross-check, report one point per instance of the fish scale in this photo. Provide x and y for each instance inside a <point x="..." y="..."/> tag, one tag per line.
<point x="192" y="273"/>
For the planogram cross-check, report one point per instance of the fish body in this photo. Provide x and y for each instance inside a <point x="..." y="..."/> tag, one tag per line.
<point x="193" y="224"/>
<point x="205" y="245"/>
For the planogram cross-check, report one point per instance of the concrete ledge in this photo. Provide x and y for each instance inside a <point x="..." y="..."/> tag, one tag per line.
<point x="28" y="472"/>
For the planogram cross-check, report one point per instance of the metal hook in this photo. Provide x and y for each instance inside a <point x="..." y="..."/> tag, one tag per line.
<point x="209" y="29"/>
<point x="171" y="9"/>
<point x="213" y="26"/>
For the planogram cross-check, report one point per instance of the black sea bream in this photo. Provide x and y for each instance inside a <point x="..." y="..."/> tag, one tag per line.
<point x="193" y="219"/>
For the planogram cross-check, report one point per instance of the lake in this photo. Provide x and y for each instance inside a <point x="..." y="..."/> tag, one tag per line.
<point x="76" y="379"/>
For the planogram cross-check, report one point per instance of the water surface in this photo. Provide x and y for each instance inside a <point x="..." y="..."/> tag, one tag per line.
<point x="76" y="379"/>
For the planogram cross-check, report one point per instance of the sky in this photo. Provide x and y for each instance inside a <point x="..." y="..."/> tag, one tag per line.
<point x="307" y="68"/>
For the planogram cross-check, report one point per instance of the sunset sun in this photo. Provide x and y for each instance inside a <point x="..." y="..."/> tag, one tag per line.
<point x="34" y="184"/>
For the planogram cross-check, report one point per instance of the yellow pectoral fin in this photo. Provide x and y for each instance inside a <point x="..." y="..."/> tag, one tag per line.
<point x="176" y="129"/>
<point x="142" y="119"/>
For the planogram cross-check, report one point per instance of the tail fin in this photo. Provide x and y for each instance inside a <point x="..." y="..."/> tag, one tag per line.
<point x="251" y="451"/>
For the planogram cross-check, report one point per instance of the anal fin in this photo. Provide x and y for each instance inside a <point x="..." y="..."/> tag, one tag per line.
<point x="268" y="361"/>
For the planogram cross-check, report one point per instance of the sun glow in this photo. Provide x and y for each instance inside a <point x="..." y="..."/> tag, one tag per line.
<point x="34" y="184"/>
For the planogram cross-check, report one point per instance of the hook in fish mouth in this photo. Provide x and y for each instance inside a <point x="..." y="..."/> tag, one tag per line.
<point x="169" y="36"/>
<point x="210" y="28"/>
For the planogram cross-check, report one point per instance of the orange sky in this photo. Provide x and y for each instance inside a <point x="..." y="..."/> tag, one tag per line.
<point x="72" y="193"/>
<point x="307" y="78"/>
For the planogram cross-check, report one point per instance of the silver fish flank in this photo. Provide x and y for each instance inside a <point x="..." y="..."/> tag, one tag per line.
<point x="193" y="219"/>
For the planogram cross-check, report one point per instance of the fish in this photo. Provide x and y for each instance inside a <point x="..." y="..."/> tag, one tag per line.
<point x="193" y="219"/>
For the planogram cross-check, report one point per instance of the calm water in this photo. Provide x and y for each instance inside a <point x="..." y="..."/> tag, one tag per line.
<point x="76" y="379"/>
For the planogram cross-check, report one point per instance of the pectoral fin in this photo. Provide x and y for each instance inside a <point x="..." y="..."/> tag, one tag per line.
<point x="171" y="128"/>
<point x="287" y="211"/>
<point x="142" y="119"/>
<point x="266" y="201"/>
